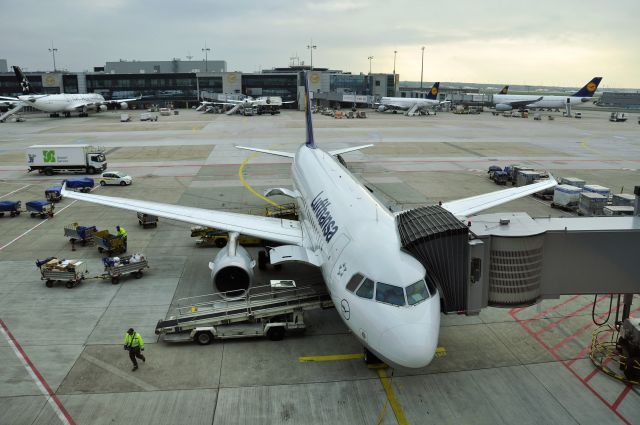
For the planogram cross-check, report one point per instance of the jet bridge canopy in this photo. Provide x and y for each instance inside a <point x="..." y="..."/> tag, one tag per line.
<point x="441" y="243"/>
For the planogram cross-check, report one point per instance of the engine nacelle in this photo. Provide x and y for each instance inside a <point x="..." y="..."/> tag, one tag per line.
<point x="382" y="108"/>
<point x="124" y="105"/>
<point x="232" y="269"/>
<point x="103" y="108"/>
<point x="502" y="107"/>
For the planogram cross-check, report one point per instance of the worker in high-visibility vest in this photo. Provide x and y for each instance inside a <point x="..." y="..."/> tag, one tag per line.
<point x="121" y="233"/>
<point x="134" y="344"/>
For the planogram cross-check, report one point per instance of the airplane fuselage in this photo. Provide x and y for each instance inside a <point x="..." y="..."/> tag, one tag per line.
<point x="553" y="102"/>
<point x="406" y="103"/>
<point x="56" y="103"/>
<point x="353" y="233"/>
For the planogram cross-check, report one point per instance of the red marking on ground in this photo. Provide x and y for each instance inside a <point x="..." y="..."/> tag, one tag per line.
<point x="568" y="316"/>
<point x="622" y="396"/>
<point x="581" y="329"/>
<point x="552" y="309"/>
<point x="37" y="373"/>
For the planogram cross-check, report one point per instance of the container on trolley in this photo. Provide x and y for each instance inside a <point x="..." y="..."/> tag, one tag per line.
<point x="10" y="207"/>
<point x="69" y="272"/>
<point x="42" y="209"/>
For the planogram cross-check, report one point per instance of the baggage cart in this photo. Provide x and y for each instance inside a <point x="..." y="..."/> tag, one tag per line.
<point x="108" y="243"/>
<point x="84" y="184"/>
<point x="147" y="220"/>
<point x="69" y="272"/>
<point x="53" y="193"/>
<point x="42" y="209"/>
<point x="10" y="207"/>
<point x="116" y="267"/>
<point x="77" y="233"/>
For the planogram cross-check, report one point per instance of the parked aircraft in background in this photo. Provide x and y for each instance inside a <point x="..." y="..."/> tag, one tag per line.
<point x="504" y="90"/>
<point x="57" y="104"/>
<point x="412" y="105"/>
<point x="264" y="104"/>
<point x="507" y="102"/>
<point x="380" y="290"/>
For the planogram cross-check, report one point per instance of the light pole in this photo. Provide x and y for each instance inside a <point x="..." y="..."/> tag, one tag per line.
<point x="53" y="51"/>
<point x="395" y="52"/>
<point x="370" y="58"/>
<point x="422" y="68"/>
<point x="206" y="50"/>
<point x="311" y="47"/>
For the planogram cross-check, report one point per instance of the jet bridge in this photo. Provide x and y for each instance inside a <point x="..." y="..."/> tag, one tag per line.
<point x="512" y="259"/>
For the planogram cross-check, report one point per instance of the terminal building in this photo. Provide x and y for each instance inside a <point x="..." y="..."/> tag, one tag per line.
<point x="620" y="100"/>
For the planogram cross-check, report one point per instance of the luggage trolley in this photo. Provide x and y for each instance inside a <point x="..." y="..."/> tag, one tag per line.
<point x="111" y="244"/>
<point x="53" y="193"/>
<point x="52" y="270"/>
<point x="10" y="207"/>
<point x="83" y="184"/>
<point x="115" y="267"/>
<point x="42" y="209"/>
<point x="147" y="220"/>
<point x="77" y="233"/>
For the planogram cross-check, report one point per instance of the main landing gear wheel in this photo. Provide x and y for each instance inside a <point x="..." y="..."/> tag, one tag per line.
<point x="204" y="338"/>
<point x="263" y="259"/>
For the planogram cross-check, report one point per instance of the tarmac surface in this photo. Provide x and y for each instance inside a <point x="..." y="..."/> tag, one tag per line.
<point x="61" y="356"/>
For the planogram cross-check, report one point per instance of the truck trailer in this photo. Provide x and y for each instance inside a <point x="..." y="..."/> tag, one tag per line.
<point x="49" y="159"/>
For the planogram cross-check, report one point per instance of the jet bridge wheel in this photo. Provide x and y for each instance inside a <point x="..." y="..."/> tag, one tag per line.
<point x="276" y="333"/>
<point x="204" y="338"/>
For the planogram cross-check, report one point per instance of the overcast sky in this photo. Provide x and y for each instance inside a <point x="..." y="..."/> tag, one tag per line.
<point x="542" y="42"/>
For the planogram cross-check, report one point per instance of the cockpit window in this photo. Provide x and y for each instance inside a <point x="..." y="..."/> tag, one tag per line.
<point x="366" y="289"/>
<point x="417" y="292"/>
<point x="389" y="294"/>
<point x="354" y="282"/>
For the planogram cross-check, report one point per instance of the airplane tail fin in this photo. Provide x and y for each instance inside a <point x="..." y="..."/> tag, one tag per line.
<point x="504" y="90"/>
<point x="589" y="89"/>
<point x="22" y="80"/>
<point x="307" y="100"/>
<point x="433" y="93"/>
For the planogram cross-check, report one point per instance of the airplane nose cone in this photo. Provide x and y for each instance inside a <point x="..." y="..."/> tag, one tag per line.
<point x="411" y="346"/>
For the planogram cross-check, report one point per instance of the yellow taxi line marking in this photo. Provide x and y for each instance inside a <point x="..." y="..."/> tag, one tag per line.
<point x="249" y="188"/>
<point x="330" y="358"/>
<point x="395" y="406"/>
<point x="584" y="144"/>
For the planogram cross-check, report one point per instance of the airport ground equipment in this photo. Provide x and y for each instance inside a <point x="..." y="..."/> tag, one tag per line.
<point x="572" y="181"/>
<point x="208" y="236"/>
<point x="146" y="116"/>
<point x="108" y="243"/>
<point x="566" y="197"/>
<point x="361" y="114"/>
<point x="262" y="311"/>
<point x="591" y="204"/>
<point x="78" y="233"/>
<point x="615" y="350"/>
<point x="83" y="184"/>
<point x="69" y="272"/>
<point x="617" y="117"/>
<point x="40" y="208"/>
<point x="49" y="159"/>
<point x="147" y="220"/>
<point x="116" y="267"/>
<point x="53" y="193"/>
<point x="125" y="118"/>
<point x="497" y="175"/>
<point x="10" y="207"/>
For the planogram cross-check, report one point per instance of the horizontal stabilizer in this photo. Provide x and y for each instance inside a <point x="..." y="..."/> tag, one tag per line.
<point x="467" y="206"/>
<point x="270" y="152"/>
<point x="351" y="149"/>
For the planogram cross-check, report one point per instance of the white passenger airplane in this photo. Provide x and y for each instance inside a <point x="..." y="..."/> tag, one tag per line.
<point x="507" y="102"/>
<point x="266" y="104"/>
<point x="378" y="288"/>
<point x="56" y="104"/>
<point x="410" y="104"/>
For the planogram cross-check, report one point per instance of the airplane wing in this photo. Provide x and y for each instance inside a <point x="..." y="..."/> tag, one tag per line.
<point x="272" y="229"/>
<point x="119" y="101"/>
<point x="15" y="99"/>
<point x="270" y="152"/>
<point x="522" y="103"/>
<point x="467" y="206"/>
<point x="345" y="150"/>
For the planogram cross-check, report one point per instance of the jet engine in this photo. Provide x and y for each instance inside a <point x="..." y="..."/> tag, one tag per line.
<point x="124" y="105"/>
<point x="103" y="107"/>
<point x="232" y="269"/>
<point x="382" y="108"/>
<point x="501" y="107"/>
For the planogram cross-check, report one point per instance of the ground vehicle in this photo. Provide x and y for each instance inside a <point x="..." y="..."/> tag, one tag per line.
<point x="125" y="117"/>
<point x="114" y="268"/>
<point x="53" y="193"/>
<point x="147" y="220"/>
<point x="115" y="177"/>
<point x="83" y="184"/>
<point x="42" y="209"/>
<point x="111" y="244"/>
<point x="617" y="117"/>
<point x="629" y="347"/>
<point x="11" y="207"/>
<point x="49" y="159"/>
<point x="75" y="233"/>
<point x="165" y="111"/>
<point x="146" y="116"/>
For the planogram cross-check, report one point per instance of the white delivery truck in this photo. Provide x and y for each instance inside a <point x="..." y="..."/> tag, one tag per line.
<point x="49" y="159"/>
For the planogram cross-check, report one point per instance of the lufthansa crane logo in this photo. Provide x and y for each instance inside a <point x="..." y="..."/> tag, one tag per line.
<point x="434" y="91"/>
<point x="232" y="78"/>
<point x="314" y="78"/>
<point x="591" y="87"/>
<point x="50" y="80"/>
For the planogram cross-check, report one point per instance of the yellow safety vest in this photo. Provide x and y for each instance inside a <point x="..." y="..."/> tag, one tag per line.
<point x="122" y="232"/>
<point x="134" y="340"/>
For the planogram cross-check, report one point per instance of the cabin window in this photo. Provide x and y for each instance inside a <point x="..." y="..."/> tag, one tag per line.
<point x="389" y="294"/>
<point x="366" y="289"/>
<point x="354" y="282"/>
<point x="417" y="292"/>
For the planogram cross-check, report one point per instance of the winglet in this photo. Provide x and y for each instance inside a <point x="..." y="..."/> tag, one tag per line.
<point x="589" y="89"/>
<point x="22" y="80"/>
<point x="307" y="100"/>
